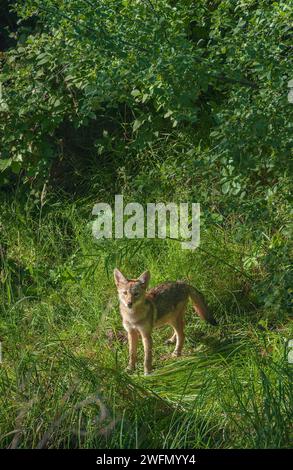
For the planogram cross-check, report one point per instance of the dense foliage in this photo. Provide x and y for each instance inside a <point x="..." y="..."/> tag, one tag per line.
<point x="199" y="87"/>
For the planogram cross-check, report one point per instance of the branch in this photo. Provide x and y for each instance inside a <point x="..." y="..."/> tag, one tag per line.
<point x="241" y="81"/>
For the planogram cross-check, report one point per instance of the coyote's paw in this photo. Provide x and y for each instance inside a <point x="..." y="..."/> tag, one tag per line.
<point x="176" y="353"/>
<point x="170" y="341"/>
<point x="130" y="369"/>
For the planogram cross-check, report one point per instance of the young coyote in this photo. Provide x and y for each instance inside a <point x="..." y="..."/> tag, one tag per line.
<point x="143" y="310"/>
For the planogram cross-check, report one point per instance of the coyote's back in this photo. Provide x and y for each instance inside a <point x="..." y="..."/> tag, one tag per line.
<point x="169" y="295"/>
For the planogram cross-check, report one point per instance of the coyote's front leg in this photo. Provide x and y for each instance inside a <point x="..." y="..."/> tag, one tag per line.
<point x="132" y="343"/>
<point x="147" y="344"/>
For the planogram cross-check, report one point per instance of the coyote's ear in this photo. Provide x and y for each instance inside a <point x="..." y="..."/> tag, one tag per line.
<point x="144" y="278"/>
<point x="119" y="278"/>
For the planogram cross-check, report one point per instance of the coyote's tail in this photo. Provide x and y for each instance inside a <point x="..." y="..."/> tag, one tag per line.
<point x="200" y="306"/>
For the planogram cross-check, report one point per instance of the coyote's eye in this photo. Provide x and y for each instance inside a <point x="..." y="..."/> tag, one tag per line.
<point x="125" y="292"/>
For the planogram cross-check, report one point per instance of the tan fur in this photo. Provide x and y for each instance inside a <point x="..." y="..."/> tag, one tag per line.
<point x="165" y="304"/>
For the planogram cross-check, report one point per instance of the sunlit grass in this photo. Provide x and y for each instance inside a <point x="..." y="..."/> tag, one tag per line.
<point x="62" y="379"/>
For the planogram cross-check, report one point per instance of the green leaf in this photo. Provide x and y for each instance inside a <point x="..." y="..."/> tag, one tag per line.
<point x="43" y="59"/>
<point x="135" y="93"/>
<point x="5" y="163"/>
<point x="168" y="113"/>
<point x="137" y="124"/>
<point x="226" y="187"/>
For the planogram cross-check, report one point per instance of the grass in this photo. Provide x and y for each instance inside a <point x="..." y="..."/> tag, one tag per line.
<point x="62" y="379"/>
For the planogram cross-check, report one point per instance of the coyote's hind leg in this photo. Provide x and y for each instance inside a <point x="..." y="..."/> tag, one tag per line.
<point x="179" y="329"/>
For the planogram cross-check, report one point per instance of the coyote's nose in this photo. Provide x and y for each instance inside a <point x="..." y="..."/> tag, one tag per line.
<point x="129" y="304"/>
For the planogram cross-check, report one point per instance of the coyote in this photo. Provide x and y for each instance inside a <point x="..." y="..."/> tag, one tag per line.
<point x="142" y="310"/>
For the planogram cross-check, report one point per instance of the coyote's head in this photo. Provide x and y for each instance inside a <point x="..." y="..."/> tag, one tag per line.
<point x="131" y="291"/>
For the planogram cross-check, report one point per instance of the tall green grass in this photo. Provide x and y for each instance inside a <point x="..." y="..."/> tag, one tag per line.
<point x="62" y="378"/>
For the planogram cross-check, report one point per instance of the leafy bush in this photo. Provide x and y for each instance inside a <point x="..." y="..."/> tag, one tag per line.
<point x="169" y="99"/>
